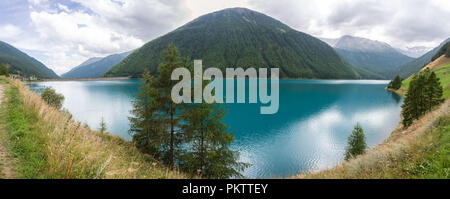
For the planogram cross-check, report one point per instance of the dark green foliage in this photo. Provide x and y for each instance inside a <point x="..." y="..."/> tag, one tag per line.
<point x="356" y="143"/>
<point x="21" y="63"/>
<point x="161" y="109"/>
<point x="52" y="98"/>
<point x="242" y="38"/>
<point x="424" y="93"/>
<point x="190" y="136"/>
<point x="434" y="91"/>
<point x="414" y="66"/>
<point x="145" y="125"/>
<point x="102" y="128"/>
<point x="396" y="83"/>
<point x="4" y="70"/>
<point x="444" y="50"/>
<point x="95" y="68"/>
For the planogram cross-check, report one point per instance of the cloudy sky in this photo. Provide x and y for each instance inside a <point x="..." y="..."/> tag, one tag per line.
<point x="64" y="33"/>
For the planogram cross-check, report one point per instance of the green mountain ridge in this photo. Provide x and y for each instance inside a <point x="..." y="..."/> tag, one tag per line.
<point x="239" y="37"/>
<point x="95" y="67"/>
<point x="22" y="63"/>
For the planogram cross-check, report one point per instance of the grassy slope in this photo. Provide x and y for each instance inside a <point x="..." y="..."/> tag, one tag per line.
<point x="420" y="151"/>
<point x="48" y="144"/>
<point x="442" y="72"/>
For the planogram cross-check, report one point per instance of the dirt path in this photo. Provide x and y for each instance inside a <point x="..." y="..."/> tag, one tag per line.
<point x="6" y="168"/>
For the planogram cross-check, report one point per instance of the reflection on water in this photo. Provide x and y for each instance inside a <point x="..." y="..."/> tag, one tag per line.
<point x="309" y="131"/>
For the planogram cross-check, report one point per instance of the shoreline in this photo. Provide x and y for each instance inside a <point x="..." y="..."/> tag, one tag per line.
<point x="384" y="142"/>
<point x="82" y="79"/>
<point x="130" y="77"/>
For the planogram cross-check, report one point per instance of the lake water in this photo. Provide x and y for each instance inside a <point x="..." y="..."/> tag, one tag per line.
<point x="309" y="132"/>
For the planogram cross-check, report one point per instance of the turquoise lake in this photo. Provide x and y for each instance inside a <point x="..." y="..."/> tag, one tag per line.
<point x="309" y="132"/>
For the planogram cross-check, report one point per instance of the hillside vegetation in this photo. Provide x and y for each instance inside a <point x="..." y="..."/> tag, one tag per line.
<point x="47" y="143"/>
<point x="442" y="72"/>
<point x="238" y="37"/>
<point x="21" y="63"/>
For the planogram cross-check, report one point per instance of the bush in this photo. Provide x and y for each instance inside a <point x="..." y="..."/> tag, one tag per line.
<point x="52" y="98"/>
<point x="4" y="70"/>
<point x="356" y="143"/>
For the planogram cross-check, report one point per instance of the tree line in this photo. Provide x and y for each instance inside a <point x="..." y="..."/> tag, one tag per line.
<point x="190" y="137"/>
<point x="424" y="93"/>
<point x="396" y="83"/>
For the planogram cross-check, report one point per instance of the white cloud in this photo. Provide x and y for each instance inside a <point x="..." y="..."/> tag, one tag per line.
<point x="9" y="31"/>
<point x="87" y="28"/>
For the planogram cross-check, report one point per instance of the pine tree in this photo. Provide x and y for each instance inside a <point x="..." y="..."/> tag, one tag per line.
<point x="356" y="143"/>
<point x="102" y="128"/>
<point x="169" y="110"/>
<point x="435" y="91"/>
<point x="424" y="93"/>
<point x="396" y="83"/>
<point x="192" y="136"/>
<point x="210" y="155"/>
<point x="146" y="127"/>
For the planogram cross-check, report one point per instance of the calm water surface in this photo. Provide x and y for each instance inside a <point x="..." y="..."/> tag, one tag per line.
<point x="309" y="131"/>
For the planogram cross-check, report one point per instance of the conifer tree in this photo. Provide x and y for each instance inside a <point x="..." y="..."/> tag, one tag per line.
<point x="146" y="127"/>
<point x="102" y="128"/>
<point x="169" y="110"/>
<point x="396" y="83"/>
<point x="356" y="143"/>
<point x="424" y="93"/>
<point x="210" y="155"/>
<point x="190" y="136"/>
<point x="435" y="91"/>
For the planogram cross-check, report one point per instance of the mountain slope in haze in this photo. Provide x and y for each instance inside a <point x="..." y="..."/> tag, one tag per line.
<point x="95" y="67"/>
<point x="21" y="63"/>
<point x="239" y="37"/>
<point x="414" y="66"/>
<point x="414" y="52"/>
<point x="373" y="56"/>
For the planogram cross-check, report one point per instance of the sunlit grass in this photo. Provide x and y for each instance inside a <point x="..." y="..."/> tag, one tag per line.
<point x="49" y="144"/>
<point x="421" y="151"/>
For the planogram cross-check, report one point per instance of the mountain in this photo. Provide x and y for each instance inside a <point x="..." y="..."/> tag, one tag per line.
<point x="95" y="67"/>
<point x="414" y="66"/>
<point x="331" y="42"/>
<point x="90" y="61"/>
<point x="239" y="37"/>
<point x="20" y="62"/>
<point x="376" y="57"/>
<point x="414" y="52"/>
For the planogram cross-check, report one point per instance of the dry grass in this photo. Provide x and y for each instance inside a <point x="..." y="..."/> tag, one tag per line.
<point x="394" y="158"/>
<point x="74" y="151"/>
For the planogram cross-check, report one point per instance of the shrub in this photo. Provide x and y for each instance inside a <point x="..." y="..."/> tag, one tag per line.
<point x="52" y="98"/>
